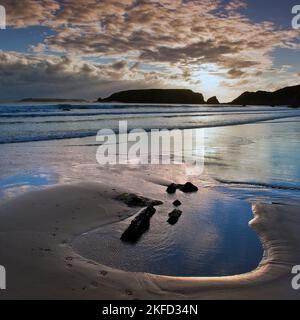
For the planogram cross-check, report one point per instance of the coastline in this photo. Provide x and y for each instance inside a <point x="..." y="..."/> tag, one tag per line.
<point x="149" y="150"/>
<point x="37" y="229"/>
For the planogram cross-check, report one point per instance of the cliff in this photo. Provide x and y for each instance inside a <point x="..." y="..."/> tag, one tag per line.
<point x="156" y="96"/>
<point x="286" y="96"/>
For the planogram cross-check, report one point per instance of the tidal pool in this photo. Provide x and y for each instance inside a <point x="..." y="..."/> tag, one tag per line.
<point x="211" y="238"/>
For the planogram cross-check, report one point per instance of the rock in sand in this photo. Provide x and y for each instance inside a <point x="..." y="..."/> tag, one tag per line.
<point x="188" y="187"/>
<point x="174" y="216"/>
<point x="134" y="200"/>
<point x="139" y="225"/>
<point x="177" y="203"/>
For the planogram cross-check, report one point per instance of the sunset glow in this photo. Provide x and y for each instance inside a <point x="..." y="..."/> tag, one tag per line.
<point x="222" y="48"/>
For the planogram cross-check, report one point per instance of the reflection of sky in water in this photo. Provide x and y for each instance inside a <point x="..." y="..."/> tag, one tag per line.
<point x="264" y="157"/>
<point x="27" y="180"/>
<point x="212" y="238"/>
<point x="255" y="153"/>
<point x="14" y="185"/>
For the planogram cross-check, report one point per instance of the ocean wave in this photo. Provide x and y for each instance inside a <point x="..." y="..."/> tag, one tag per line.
<point x="127" y="116"/>
<point x="48" y="136"/>
<point x="21" y="108"/>
<point x="52" y="107"/>
<point x="86" y="133"/>
<point x="116" y="110"/>
<point x="276" y="186"/>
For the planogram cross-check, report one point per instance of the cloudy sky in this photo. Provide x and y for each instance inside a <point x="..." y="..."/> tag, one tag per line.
<point x="91" y="48"/>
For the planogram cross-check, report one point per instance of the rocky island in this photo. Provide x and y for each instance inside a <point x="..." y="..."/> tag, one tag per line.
<point x="176" y="96"/>
<point x="287" y="96"/>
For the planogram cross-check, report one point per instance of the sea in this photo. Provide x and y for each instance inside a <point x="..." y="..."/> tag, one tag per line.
<point x="251" y="154"/>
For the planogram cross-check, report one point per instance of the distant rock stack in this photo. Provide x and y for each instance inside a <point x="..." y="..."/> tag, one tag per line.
<point x="213" y="100"/>
<point x="174" y="96"/>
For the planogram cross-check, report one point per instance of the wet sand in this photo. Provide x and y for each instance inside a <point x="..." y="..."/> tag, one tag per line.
<point x="37" y="229"/>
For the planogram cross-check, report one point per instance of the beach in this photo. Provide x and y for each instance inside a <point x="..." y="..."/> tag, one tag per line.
<point x="61" y="217"/>
<point x="149" y="150"/>
<point x="42" y="264"/>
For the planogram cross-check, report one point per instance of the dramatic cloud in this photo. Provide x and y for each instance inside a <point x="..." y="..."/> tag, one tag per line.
<point x="189" y="42"/>
<point x="43" y="76"/>
<point x="30" y="12"/>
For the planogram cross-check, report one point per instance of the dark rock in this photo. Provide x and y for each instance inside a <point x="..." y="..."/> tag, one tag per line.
<point x="174" y="216"/>
<point x="133" y="200"/>
<point x="172" y="188"/>
<point x="188" y="187"/>
<point x="176" y="213"/>
<point x="65" y="107"/>
<point x="138" y="226"/>
<point x="172" y="221"/>
<point x="177" y="203"/>
<point x="213" y="100"/>
<point x="286" y="96"/>
<point x="183" y="96"/>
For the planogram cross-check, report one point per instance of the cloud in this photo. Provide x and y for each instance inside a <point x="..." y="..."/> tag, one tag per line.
<point x="235" y="73"/>
<point x="180" y="35"/>
<point x="48" y="76"/>
<point x="30" y="12"/>
<point x="234" y="5"/>
<point x="166" y="31"/>
<point x="120" y="65"/>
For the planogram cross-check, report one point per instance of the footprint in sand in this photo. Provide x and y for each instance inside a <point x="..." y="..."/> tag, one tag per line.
<point x="94" y="284"/>
<point x="128" y="292"/>
<point x="45" y="249"/>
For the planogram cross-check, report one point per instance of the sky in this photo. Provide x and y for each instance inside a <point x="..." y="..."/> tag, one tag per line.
<point x="92" y="48"/>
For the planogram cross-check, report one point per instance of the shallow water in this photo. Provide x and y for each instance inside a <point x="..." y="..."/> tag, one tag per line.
<point x="211" y="238"/>
<point x="256" y="161"/>
<point x="243" y="163"/>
